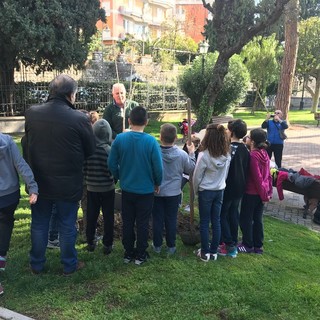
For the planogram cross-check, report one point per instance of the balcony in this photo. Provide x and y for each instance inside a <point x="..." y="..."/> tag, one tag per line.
<point x="167" y="4"/>
<point x="125" y="11"/>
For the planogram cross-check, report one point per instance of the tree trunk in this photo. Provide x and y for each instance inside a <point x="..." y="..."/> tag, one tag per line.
<point x="289" y="60"/>
<point x="6" y="87"/>
<point x="315" y="100"/>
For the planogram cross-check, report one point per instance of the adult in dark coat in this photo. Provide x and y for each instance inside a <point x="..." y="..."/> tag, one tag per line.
<point x="57" y="139"/>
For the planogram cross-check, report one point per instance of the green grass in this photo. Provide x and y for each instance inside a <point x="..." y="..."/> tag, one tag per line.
<point x="282" y="283"/>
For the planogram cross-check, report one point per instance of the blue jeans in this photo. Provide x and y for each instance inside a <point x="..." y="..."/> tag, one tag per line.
<point x="164" y="213"/>
<point x="54" y="226"/>
<point x="210" y="203"/>
<point x="230" y="221"/>
<point x="251" y="223"/>
<point x="66" y="215"/>
<point x="136" y="211"/>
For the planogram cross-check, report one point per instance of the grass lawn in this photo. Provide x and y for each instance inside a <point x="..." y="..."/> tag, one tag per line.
<point x="281" y="284"/>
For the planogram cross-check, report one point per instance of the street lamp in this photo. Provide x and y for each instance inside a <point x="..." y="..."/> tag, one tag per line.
<point x="203" y="49"/>
<point x="302" y="96"/>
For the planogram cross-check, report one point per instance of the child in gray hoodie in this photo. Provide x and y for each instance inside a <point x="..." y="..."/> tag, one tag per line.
<point x="11" y="164"/>
<point x="100" y="188"/>
<point x="209" y="182"/>
<point x="166" y="202"/>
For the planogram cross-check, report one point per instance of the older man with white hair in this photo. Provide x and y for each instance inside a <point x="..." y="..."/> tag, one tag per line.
<point x="119" y="108"/>
<point x="275" y="127"/>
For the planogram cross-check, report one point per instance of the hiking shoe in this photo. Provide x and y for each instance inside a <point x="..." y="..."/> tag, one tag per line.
<point x="3" y="262"/>
<point x="258" y="250"/>
<point x="107" y="249"/>
<point x="222" y="249"/>
<point x="1" y="290"/>
<point x="156" y="249"/>
<point x="80" y="265"/>
<point x="171" y="250"/>
<point x="244" y="249"/>
<point x="53" y="244"/>
<point x="128" y="257"/>
<point x="141" y="259"/>
<point x="205" y="257"/>
<point x="232" y="252"/>
<point x="91" y="247"/>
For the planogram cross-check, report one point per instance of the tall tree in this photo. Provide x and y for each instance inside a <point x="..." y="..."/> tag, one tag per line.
<point x="235" y="23"/>
<point x="308" y="62"/>
<point x="45" y="35"/>
<point x="289" y="59"/>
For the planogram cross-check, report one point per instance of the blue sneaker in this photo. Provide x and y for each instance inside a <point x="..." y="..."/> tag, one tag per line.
<point x="171" y="250"/>
<point x="232" y="252"/>
<point x="156" y="249"/>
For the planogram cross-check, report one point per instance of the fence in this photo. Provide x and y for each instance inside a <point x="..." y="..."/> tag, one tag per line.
<point x="30" y="90"/>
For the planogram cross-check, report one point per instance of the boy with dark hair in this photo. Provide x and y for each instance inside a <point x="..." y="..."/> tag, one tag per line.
<point x="235" y="187"/>
<point x="135" y="160"/>
<point x="166" y="202"/>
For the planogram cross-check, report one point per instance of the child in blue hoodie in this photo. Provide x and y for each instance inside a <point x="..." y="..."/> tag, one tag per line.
<point x="166" y="203"/>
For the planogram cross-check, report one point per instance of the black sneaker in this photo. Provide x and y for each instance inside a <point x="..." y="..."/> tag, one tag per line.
<point x="107" y="249"/>
<point x="91" y="247"/>
<point x="128" y="257"/>
<point x="1" y="290"/>
<point x="141" y="259"/>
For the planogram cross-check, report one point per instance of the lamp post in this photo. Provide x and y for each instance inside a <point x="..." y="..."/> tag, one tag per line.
<point x="302" y="96"/>
<point x="203" y="49"/>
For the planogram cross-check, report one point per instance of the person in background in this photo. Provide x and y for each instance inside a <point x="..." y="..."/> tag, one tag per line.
<point x="274" y="125"/>
<point x="12" y="165"/>
<point x="258" y="191"/>
<point x="235" y="187"/>
<point x="94" y="116"/>
<point x="58" y="140"/>
<point x="166" y="203"/>
<point x="135" y="160"/>
<point x="100" y="188"/>
<point x="119" y="108"/>
<point x="209" y="181"/>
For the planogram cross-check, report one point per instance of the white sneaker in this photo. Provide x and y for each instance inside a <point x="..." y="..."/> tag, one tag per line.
<point x="55" y="244"/>
<point x="205" y="257"/>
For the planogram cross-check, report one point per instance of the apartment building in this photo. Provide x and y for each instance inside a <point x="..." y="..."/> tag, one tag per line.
<point x="143" y="18"/>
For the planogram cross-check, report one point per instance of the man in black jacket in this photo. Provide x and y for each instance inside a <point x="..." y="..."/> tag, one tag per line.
<point x="58" y="139"/>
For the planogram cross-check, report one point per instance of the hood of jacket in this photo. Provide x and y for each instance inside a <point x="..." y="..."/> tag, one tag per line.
<point x="170" y="154"/>
<point x="216" y="163"/>
<point x="4" y="144"/>
<point x="261" y="156"/>
<point x="102" y="132"/>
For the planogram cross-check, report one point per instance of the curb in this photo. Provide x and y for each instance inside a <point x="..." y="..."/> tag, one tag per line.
<point x="7" y="314"/>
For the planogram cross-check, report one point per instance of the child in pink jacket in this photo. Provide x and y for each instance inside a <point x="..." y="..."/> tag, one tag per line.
<point x="258" y="191"/>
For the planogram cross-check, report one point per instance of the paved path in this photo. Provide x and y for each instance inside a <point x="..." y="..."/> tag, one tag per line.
<point x="302" y="150"/>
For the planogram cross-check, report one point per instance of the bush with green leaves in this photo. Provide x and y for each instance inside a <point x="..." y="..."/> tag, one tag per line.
<point x="194" y="81"/>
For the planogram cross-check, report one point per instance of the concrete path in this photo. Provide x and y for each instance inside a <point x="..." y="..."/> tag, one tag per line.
<point x="302" y="150"/>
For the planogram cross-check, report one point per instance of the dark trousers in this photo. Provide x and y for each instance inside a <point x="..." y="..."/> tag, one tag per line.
<point x="136" y="210"/>
<point x="105" y="201"/>
<point x="164" y="214"/>
<point x="277" y="150"/>
<point x="229" y="220"/>
<point x="6" y="227"/>
<point x="251" y="223"/>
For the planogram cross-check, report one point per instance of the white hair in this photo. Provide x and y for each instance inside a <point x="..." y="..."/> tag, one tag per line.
<point x="118" y="86"/>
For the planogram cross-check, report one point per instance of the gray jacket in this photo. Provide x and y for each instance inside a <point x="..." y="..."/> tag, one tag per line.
<point x="12" y="164"/>
<point x="210" y="173"/>
<point x="175" y="163"/>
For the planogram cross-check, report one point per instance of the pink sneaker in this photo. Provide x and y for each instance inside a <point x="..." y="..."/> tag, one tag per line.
<point x="3" y="262"/>
<point x="222" y="249"/>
